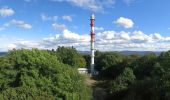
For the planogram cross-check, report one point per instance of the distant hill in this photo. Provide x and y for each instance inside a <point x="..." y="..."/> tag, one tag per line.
<point x="84" y="52"/>
<point x="3" y="53"/>
<point x="140" y="52"/>
<point x="129" y="52"/>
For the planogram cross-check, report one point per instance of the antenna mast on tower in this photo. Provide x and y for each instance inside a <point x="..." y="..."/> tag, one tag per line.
<point x="92" y="19"/>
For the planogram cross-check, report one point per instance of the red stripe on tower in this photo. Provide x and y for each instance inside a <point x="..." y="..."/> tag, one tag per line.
<point x="92" y="23"/>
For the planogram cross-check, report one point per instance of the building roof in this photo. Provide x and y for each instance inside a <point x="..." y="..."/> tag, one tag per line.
<point x="82" y="69"/>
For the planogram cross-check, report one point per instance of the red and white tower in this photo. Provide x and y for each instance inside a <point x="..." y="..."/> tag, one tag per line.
<point x="92" y="19"/>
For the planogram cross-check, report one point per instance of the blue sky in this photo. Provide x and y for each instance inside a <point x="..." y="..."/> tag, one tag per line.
<point x="119" y="25"/>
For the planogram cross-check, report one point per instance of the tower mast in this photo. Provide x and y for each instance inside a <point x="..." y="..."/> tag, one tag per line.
<point x="92" y="19"/>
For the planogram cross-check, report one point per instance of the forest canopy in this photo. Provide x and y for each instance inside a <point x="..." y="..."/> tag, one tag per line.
<point x="38" y="74"/>
<point x="52" y="75"/>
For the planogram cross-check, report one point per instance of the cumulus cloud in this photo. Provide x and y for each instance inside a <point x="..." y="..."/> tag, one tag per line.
<point x="5" y="40"/>
<point x="17" y="23"/>
<point x="93" y="5"/>
<point x="138" y="33"/>
<point x="20" y="24"/>
<point x="140" y="38"/>
<point x="18" y="44"/>
<point x="4" y="12"/>
<point x="68" y="18"/>
<point x="66" y="38"/>
<point x="104" y="41"/>
<point x="55" y="18"/>
<point x="87" y="4"/>
<point x="11" y="46"/>
<point x="156" y="36"/>
<point x="59" y="26"/>
<point x="125" y="22"/>
<point x="27" y="44"/>
<point x="106" y="35"/>
<point x="48" y="18"/>
<point x="124" y="35"/>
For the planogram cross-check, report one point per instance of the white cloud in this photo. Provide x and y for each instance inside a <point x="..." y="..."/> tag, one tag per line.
<point x="17" y="23"/>
<point x="125" y="22"/>
<point x="6" y="12"/>
<point x="48" y="18"/>
<point x="5" y="40"/>
<point x="106" y="35"/>
<point x="87" y="4"/>
<point x="11" y="46"/>
<point x="99" y="28"/>
<point x="66" y="38"/>
<point x="59" y="26"/>
<point x="93" y="5"/>
<point x="54" y="18"/>
<point x="140" y="38"/>
<point x="167" y="39"/>
<point x="68" y="18"/>
<point x="124" y="35"/>
<point x="20" y="24"/>
<point x="24" y="44"/>
<point x="138" y="33"/>
<point x="156" y="36"/>
<point x="104" y="41"/>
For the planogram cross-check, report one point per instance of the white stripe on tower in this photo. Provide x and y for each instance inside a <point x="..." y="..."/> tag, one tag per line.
<point x="92" y="43"/>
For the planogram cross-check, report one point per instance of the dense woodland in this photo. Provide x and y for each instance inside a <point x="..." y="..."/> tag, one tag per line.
<point x="42" y="75"/>
<point x="52" y="75"/>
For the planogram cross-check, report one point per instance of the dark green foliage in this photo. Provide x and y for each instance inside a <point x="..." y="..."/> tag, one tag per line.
<point x="37" y="74"/>
<point x="118" y="87"/>
<point x="87" y="59"/>
<point x="144" y="66"/>
<point x="153" y="78"/>
<point x="109" y="59"/>
<point x="158" y="71"/>
<point x="141" y="90"/>
<point x="25" y="93"/>
<point x="71" y="57"/>
<point x="122" y="81"/>
<point x="109" y="64"/>
<point x="135" y="77"/>
<point x="164" y="60"/>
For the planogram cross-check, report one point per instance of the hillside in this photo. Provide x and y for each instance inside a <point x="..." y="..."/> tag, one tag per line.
<point x="128" y="52"/>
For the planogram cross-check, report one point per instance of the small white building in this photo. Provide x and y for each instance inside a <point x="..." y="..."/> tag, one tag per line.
<point x="83" y="70"/>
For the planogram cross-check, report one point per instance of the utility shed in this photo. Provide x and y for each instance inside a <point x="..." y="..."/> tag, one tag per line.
<point x="83" y="70"/>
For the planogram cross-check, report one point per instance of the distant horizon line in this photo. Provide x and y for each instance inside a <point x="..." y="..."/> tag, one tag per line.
<point x="103" y="51"/>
